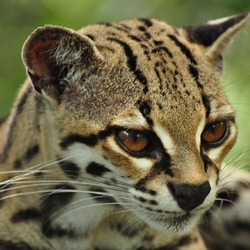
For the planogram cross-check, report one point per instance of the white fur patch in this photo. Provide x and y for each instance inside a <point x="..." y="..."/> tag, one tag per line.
<point x="165" y="138"/>
<point x="199" y="131"/>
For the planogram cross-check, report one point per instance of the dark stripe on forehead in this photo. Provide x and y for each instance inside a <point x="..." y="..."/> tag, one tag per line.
<point x="145" y="109"/>
<point x="185" y="50"/>
<point x="195" y="73"/>
<point x="206" y="104"/>
<point x="132" y="63"/>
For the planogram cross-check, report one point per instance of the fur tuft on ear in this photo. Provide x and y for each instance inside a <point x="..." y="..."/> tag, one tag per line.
<point x="52" y="54"/>
<point x="216" y="35"/>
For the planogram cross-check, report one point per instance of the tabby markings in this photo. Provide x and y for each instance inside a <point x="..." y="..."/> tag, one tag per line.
<point x="90" y="140"/>
<point x="184" y="49"/>
<point x="9" y="245"/>
<point x="96" y="169"/>
<point x="25" y="215"/>
<point x="31" y="152"/>
<point x="100" y="195"/>
<point x="70" y="169"/>
<point x="132" y="63"/>
<point x="19" y="110"/>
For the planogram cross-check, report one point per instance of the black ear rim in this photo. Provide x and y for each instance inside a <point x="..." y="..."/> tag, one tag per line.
<point x="201" y="34"/>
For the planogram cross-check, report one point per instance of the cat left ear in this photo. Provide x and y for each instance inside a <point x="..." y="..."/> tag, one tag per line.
<point x="55" y="56"/>
<point x="216" y="35"/>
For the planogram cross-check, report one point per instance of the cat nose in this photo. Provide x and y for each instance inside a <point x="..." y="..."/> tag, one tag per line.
<point x="189" y="196"/>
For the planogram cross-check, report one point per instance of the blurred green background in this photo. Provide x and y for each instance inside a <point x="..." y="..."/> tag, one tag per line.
<point x="19" y="17"/>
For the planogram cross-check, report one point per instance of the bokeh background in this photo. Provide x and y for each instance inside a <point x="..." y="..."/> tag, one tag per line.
<point x="18" y="18"/>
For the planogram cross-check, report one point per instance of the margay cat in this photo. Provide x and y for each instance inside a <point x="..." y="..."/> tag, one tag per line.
<point x="116" y="139"/>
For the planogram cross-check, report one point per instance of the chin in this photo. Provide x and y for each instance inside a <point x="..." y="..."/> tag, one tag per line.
<point x="176" y="225"/>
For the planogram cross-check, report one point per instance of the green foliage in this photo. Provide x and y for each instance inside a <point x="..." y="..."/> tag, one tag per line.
<point x="20" y="17"/>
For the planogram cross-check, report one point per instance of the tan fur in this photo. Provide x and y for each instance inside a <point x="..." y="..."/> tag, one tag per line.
<point x="138" y="75"/>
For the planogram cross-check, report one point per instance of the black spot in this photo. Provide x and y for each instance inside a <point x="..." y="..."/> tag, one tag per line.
<point x="142" y="28"/>
<point x="91" y="37"/>
<point x="8" y="245"/>
<point x="141" y="199"/>
<point x="162" y="48"/>
<point x="164" y="165"/>
<point x="90" y="140"/>
<point x="26" y="214"/>
<point x="158" y="43"/>
<point x="96" y="169"/>
<point x="194" y="72"/>
<point x="206" y="103"/>
<point x="56" y="199"/>
<point x="132" y="63"/>
<point x="184" y="49"/>
<point x="237" y="227"/>
<point x="70" y="169"/>
<point x="17" y="164"/>
<point x="51" y="231"/>
<point x="146" y="21"/>
<point x="145" y="110"/>
<point x="153" y="202"/>
<point x="185" y="240"/>
<point x="152" y="192"/>
<point x="135" y="38"/>
<point x="147" y="35"/>
<point x="31" y="152"/>
<point x="158" y="75"/>
<point x="99" y="195"/>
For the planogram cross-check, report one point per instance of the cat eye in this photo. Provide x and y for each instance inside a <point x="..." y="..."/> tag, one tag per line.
<point x="215" y="133"/>
<point x="132" y="140"/>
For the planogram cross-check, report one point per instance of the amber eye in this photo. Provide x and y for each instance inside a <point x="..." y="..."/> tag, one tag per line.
<point x="132" y="140"/>
<point x="215" y="133"/>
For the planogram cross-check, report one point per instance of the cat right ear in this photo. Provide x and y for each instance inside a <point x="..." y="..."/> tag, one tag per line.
<point x="215" y="36"/>
<point x="55" y="55"/>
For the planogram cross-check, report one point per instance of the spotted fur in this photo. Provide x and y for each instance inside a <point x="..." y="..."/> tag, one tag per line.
<point x="67" y="180"/>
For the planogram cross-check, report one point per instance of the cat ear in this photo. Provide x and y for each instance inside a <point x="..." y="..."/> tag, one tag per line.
<point x="216" y="35"/>
<point x="54" y="55"/>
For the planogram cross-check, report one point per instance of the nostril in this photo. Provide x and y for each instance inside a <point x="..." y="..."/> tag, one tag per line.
<point x="189" y="196"/>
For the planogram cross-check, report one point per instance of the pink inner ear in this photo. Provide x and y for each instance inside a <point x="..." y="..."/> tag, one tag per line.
<point x="40" y="57"/>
